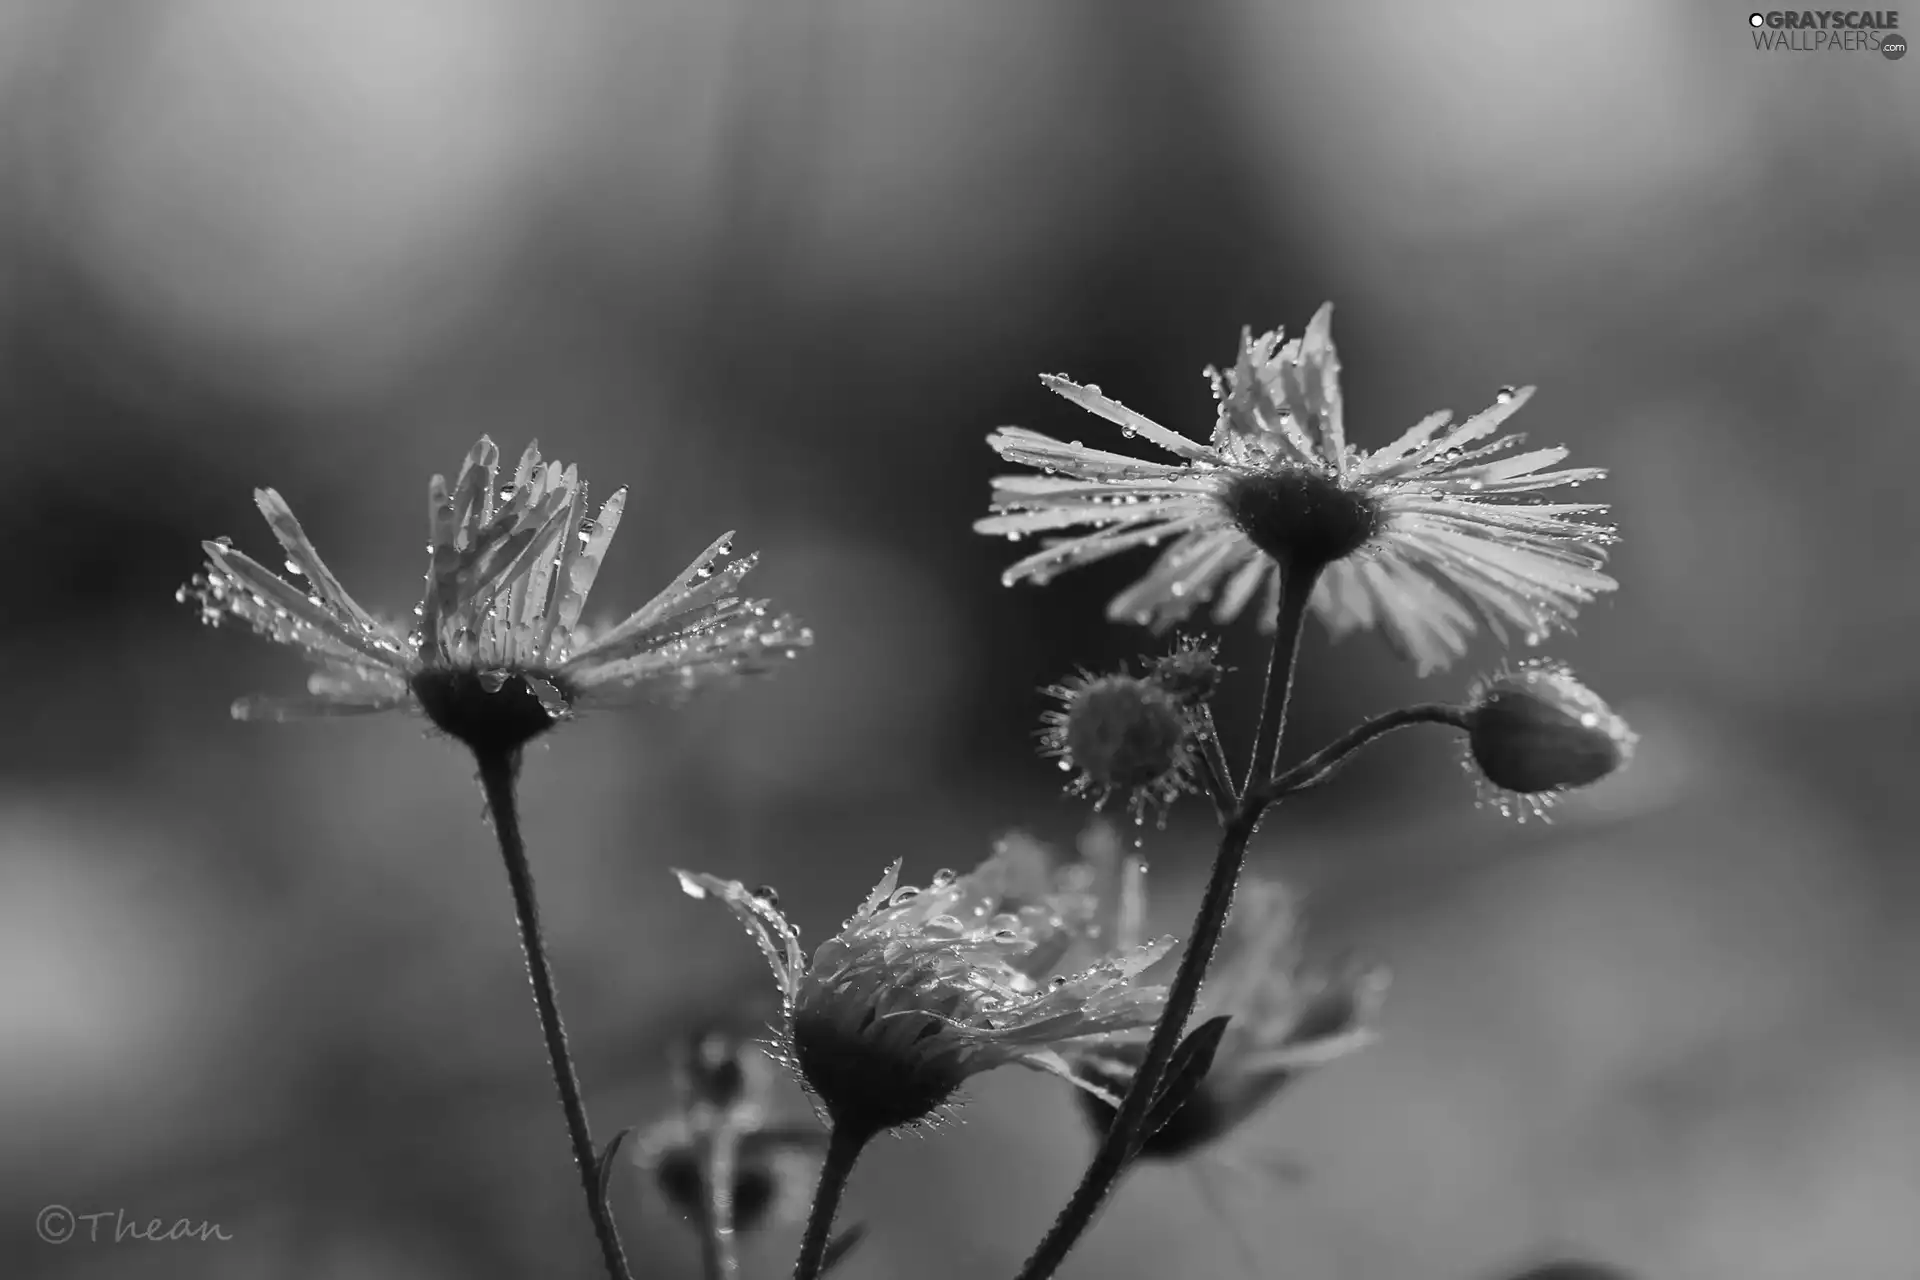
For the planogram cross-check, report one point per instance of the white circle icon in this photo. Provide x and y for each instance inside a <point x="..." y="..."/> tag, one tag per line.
<point x="1756" y="19"/>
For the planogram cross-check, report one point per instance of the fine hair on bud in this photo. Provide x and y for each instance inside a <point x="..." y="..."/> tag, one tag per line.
<point x="1534" y="732"/>
<point x="1191" y="674"/>
<point x="1126" y="735"/>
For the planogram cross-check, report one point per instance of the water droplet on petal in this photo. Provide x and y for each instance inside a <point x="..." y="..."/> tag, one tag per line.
<point x="1505" y="395"/>
<point x="767" y="894"/>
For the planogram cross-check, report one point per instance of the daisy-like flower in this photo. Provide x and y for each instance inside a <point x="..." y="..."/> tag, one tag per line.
<point x="497" y="652"/>
<point x="722" y="1087"/>
<point x="923" y="988"/>
<point x="1430" y="538"/>
<point x="1534" y="732"/>
<point x="1285" y="1016"/>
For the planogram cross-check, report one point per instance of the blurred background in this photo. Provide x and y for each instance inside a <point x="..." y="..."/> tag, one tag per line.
<point x="779" y="265"/>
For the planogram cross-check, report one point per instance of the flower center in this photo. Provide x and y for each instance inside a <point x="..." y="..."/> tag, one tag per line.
<point x="869" y="1080"/>
<point x="490" y="711"/>
<point x="1301" y="516"/>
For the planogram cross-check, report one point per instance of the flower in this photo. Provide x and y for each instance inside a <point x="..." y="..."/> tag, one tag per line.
<point x="1535" y="732"/>
<point x="1122" y="734"/>
<point x="1284" y="1016"/>
<point x="498" y="652"/>
<point x="722" y="1086"/>
<point x="1429" y="538"/>
<point x="923" y="988"/>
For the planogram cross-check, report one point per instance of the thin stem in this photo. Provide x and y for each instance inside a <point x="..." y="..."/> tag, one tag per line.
<point x="497" y="770"/>
<point x="1319" y="766"/>
<point x="843" y="1149"/>
<point x="1127" y="1130"/>
<point x="1124" y="1132"/>
<point x="718" y="1258"/>
<point x="1213" y="764"/>
<point x="1296" y="591"/>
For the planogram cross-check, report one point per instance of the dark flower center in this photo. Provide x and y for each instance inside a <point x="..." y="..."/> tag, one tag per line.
<point x="869" y="1084"/>
<point x="491" y="712"/>
<point x="682" y="1181"/>
<point x="1301" y="516"/>
<point x="1199" y="1121"/>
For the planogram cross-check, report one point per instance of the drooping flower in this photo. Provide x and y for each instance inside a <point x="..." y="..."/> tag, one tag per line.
<point x="1430" y="538"/>
<point x="722" y="1087"/>
<point x="498" y="651"/>
<point x="923" y="988"/>
<point x="1534" y="732"/>
<point x="1286" y="1016"/>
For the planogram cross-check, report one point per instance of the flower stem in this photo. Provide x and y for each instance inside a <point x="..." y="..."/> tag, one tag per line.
<point x="497" y="774"/>
<point x="718" y="1258"/>
<point x="1213" y="763"/>
<point x="1296" y="591"/>
<point x="1317" y="767"/>
<point x="843" y="1149"/>
<point x="1128" y="1128"/>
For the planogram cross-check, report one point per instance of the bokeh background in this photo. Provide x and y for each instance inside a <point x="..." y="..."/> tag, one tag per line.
<point x="778" y="265"/>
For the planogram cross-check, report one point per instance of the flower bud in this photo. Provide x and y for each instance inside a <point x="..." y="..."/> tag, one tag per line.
<point x="1191" y="673"/>
<point x="1535" y="731"/>
<point x="1121" y="734"/>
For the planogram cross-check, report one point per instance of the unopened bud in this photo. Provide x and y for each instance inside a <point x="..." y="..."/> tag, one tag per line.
<point x="1121" y="734"/>
<point x="1191" y="673"/>
<point x="1536" y="730"/>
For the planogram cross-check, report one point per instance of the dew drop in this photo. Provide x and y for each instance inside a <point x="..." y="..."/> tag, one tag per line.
<point x="293" y="567"/>
<point x="766" y="894"/>
<point x="902" y="896"/>
<point x="1059" y="982"/>
<point x="941" y="878"/>
<point x="1505" y="395"/>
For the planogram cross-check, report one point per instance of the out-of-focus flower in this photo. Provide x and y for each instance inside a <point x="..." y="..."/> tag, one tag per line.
<point x="1535" y="732"/>
<point x="1121" y="734"/>
<point x="923" y="988"/>
<point x="1285" y="1017"/>
<point x="497" y="653"/>
<point x="1572" y="1269"/>
<point x="1429" y="538"/>
<point x="722" y="1085"/>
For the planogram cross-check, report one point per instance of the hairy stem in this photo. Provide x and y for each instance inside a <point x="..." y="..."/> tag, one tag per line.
<point x="1128" y="1128"/>
<point x="1214" y="766"/>
<point x="1296" y="590"/>
<point x="1319" y="766"/>
<point x="497" y="773"/>
<point x="843" y="1149"/>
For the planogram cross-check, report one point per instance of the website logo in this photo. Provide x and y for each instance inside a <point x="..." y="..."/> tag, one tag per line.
<point x="1829" y="31"/>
